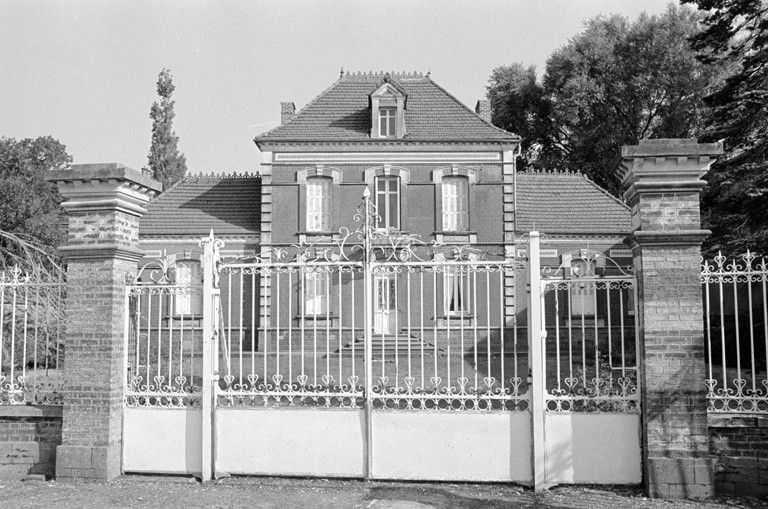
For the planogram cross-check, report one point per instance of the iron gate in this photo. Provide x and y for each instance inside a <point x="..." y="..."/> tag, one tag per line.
<point x="367" y="354"/>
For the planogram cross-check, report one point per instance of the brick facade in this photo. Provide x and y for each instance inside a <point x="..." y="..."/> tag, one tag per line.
<point x="663" y="178"/>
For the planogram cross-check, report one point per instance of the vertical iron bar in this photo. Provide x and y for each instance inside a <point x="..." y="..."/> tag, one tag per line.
<point x="502" y="325"/>
<point x="722" y="331"/>
<point x="736" y="322"/>
<point x="408" y="316"/>
<point x="751" y="328"/>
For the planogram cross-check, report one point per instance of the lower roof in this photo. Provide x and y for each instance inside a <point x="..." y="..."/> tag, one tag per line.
<point x="230" y="205"/>
<point x="568" y="203"/>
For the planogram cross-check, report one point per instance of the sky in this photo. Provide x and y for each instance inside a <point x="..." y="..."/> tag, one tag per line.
<point x="85" y="72"/>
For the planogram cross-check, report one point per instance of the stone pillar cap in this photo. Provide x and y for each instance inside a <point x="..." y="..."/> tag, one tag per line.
<point x="664" y="147"/>
<point x="104" y="172"/>
<point x="105" y="186"/>
<point x="673" y="163"/>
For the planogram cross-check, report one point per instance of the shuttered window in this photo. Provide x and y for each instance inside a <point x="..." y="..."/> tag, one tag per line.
<point x="315" y="292"/>
<point x="455" y="204"/>
<point x="188" y="303"/>
<point x="318" y="204"/>
<point x="455" y="291"/>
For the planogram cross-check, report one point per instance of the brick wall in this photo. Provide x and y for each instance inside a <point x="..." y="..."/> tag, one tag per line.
<point x="28" y="440"/>
<point x="740" y="446"/>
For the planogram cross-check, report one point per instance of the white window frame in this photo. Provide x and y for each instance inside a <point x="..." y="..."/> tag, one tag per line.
<point x="188" y="304"/>
<point x="455" y="213"/>
<point x="387" y="121"/>
<point x="316" y="291"/>
<point x="456" y="286"/>
<point x="318" y="206"/>
<point x="385" y="210"/>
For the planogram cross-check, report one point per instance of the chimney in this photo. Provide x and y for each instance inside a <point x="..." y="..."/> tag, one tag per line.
<point x="287" y="111"/>
<point x="483" y="108"/>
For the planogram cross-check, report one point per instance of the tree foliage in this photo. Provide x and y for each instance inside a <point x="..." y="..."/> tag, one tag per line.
<point x="29" y="204"/>
<point x="735" y="203"/>
<point x="166" y="163"/>
<point x="613" y="84"/>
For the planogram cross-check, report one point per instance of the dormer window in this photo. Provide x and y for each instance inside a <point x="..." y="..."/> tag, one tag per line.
<point x="387" y="117"/>
<point x="388" y="104"/>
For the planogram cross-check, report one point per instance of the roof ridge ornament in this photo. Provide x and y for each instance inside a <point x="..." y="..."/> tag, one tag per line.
<point x="384" y="74"/>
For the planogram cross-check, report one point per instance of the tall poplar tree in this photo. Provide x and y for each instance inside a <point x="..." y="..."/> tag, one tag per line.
<point x="166" y="163"/>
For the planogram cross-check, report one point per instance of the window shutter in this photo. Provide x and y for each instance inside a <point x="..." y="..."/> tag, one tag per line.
<point x="318" y="204"/>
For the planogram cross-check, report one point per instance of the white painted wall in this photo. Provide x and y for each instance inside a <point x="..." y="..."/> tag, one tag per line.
<point x="598" y="448"/>
<point x="452" y="446"/>
<point x="162" y="440"/>
<point x="290" y="441"/>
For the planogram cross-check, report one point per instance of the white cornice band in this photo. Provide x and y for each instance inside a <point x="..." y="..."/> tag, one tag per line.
<point x="385" y="157"/>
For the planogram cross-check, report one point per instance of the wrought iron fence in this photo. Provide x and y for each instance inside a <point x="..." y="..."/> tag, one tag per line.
<point x="289" y="333"/>
<point x="31" y="335"/>
<point x="591" y="356"/>
<point x="163" y="348"/>
<point x="735" y="297"/>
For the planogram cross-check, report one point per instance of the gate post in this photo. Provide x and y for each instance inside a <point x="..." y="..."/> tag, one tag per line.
<point x="664" y="182"/>
<point x="537" y="356"/>
<point x="210" y="352"/>
<point x="103" y="204"/>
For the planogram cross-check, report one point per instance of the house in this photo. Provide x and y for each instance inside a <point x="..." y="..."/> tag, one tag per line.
<point x="435" y="169"/>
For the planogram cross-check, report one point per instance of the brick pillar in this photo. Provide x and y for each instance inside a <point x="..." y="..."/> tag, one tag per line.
<point x="103" y="203"/>
<point x="664" y="182"/>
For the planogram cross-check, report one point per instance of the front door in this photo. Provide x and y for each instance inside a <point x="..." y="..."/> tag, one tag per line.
<point x="384" y="306"/>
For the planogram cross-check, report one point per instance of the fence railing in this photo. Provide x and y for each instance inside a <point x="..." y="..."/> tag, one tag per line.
<point x="591" y="361"/>
<point x="735" y="294"/>
<point x="31" y="336"/>
<point x="163" y="349"/>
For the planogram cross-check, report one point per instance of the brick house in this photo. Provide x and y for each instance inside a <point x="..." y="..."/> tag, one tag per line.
<point x="435" y="169"/>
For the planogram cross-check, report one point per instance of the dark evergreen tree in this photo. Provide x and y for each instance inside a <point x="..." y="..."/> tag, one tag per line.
<point x="166" y="163"/>
<point x="735" y="203"/>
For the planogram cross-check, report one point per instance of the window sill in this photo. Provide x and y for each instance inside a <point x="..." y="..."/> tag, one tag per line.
<point x="455" y="321"/>
<point x="185" y="317"/>
<point x="319" y="318"/>
<point x="456" y="233"/>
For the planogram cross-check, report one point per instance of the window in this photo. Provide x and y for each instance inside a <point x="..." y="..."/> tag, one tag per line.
<point x="185" y="304"/>
<point x="583" y="293"/>
<point x="318" y="204"/>
<point x="455" y="204"/>
<point x="455" y="292"/>
<point x="387" y="122"/>
<point x="315" y="292"/>
<point x="387" y="202"/>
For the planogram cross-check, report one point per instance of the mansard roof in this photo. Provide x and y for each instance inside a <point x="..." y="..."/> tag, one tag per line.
<point x="342" y="113"/>
<point x="227" y="204"/>
<point x="568" y="203"/>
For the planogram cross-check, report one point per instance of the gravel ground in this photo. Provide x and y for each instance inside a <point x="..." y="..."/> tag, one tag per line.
<point x="154" y="491"/>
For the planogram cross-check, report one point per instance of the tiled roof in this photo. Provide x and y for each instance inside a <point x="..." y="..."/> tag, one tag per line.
<point x="568" y="203"/>
<point x="342" y="112"/>
<point x="230" y="205"/>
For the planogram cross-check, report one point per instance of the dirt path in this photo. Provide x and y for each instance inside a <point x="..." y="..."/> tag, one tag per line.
<point x="144" y="491"/>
